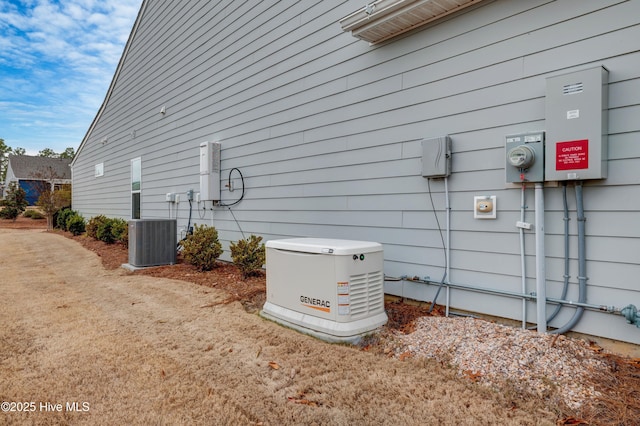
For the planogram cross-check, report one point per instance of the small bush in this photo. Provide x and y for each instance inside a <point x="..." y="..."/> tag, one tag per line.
<point x="120" y="231"/>
<point x="94" y="224"/>
<point x="75" y="224"/>
<point x="33" y="214"/>
<point x="202" y="247"/>
<point x="111" y="230"/>
<point x="63" y="216"/>
<point x="9" y="212"/>
<point x="248" y="255"/>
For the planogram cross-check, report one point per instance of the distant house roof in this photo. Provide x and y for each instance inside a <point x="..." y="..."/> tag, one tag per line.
<point x="26" y="167"/>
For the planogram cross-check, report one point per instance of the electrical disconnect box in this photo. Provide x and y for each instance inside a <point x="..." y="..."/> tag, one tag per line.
<point x="436" y="157"/>
<point x="525" y="157"/>
<point x="576" y="125"/>
<point x="210" y="171"/>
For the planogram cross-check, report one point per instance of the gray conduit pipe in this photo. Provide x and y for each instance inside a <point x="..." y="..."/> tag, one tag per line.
<point x="513" y="294"/>
<point x="541" y="275"/>
<point x="582" y="263"/>
<point x="566" y="277"/>
<point x="523" y="267"/>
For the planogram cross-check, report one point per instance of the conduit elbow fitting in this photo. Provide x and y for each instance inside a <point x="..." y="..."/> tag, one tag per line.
<point x="630" y="313"/>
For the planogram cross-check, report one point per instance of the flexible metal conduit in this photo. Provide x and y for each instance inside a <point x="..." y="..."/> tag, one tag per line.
<point x="582" y="263"/>
<point x="565" y="284"/>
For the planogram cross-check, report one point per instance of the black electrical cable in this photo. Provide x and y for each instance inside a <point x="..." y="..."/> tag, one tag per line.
<point x="229" y="185"/>
<point x="189" y="230"/>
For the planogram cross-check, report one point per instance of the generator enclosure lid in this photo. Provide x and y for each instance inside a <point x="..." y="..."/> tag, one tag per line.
<point x="325" y="246"/>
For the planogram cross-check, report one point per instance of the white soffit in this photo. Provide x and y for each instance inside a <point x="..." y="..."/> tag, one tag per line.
<point x="383" y="19"/>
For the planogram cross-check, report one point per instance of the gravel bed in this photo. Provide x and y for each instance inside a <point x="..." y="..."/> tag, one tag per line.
<point x="494" y="354"/>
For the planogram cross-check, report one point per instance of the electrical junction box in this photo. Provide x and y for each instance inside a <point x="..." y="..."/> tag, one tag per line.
<point x="436" y="157"/>
<point x="577" y="126"/>
<point x="331" y="289"/>
<point x="210" y="171"/>
<point x="525" y="157"/>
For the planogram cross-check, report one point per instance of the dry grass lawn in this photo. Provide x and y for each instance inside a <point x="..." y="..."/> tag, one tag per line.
<point x="134" y="349"/>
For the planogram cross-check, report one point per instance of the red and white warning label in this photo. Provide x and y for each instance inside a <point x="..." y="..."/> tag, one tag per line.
<point x="572" y="155"/>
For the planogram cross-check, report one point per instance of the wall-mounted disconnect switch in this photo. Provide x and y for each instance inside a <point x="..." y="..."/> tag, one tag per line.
<point x="170" y="197"/>
<point x="484" y="207"/>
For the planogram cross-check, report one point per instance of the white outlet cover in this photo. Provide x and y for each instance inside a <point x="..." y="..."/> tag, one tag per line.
<point x="485" y="207"/>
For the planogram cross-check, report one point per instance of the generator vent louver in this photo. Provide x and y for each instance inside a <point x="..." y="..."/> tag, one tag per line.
<point x="367" y="294"/>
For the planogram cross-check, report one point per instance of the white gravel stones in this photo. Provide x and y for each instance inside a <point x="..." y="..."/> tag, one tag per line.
<point x="493" y="354"/>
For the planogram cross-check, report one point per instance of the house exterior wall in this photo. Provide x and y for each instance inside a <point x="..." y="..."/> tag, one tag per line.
<point x="327" y="131"/>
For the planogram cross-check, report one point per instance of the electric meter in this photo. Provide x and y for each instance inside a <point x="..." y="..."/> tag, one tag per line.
<point x="525" y="157"/>
<point x="521" y="156"/>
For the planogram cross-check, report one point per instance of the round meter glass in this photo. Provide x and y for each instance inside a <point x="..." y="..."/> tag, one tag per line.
<point x="521" y="156"/>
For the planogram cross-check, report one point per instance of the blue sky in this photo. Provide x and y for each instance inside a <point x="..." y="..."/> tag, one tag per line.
<point x="57" y="59"/>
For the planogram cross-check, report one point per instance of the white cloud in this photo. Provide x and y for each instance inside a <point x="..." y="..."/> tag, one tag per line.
<point x="57" y="57"/>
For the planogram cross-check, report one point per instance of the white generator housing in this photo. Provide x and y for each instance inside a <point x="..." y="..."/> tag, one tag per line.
<point x="331" y="289"/>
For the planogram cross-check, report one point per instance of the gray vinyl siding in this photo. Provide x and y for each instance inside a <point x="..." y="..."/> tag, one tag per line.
<point x="327" y="132"/>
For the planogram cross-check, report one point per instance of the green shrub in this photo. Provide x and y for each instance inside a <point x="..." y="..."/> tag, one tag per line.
<point x="75" y="224"/>
<point x="120" y="231"/>
<point x="94" y="224"/>
<point x="33" y="214"/>
<point x="9" y="212"/>
<point x="63" y="216"/>
<point x="15" y="202"/>
<point x="111" y="230"/>
<point x="248" y="255"/>
<point x="202" y="247"/>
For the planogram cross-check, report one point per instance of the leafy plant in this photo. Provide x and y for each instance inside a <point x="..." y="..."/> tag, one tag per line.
<point x="15" y="202"/>
<point x="9" y="212"/>
<point x="33" y="214"/>
<point x="202" y="248"/>
<point x="63" y="216"/>
<point x="120" y="231"/>
<point x="248" y="255"/>
<point x="93" y="225"/>
<point x="111" y="230"/>
<point x="75" y="224"/>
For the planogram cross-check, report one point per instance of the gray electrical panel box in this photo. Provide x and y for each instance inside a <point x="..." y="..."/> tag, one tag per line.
<point x="576" y="125"/>
<point x="525" y="157"/>
<point x="436" y="157"/>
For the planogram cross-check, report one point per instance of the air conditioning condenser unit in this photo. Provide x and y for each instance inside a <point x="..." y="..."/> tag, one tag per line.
<point x="331" y="289"/>
<point x="152" y="242"/>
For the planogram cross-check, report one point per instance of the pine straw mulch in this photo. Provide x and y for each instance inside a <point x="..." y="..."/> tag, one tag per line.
<point x="619" y="387"/>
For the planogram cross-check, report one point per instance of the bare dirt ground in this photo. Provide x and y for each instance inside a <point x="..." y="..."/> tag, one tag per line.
<point x="83" y="341"/>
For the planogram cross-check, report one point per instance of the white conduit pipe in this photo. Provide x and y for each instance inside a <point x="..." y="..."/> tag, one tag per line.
<point x="541" y="290"/>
